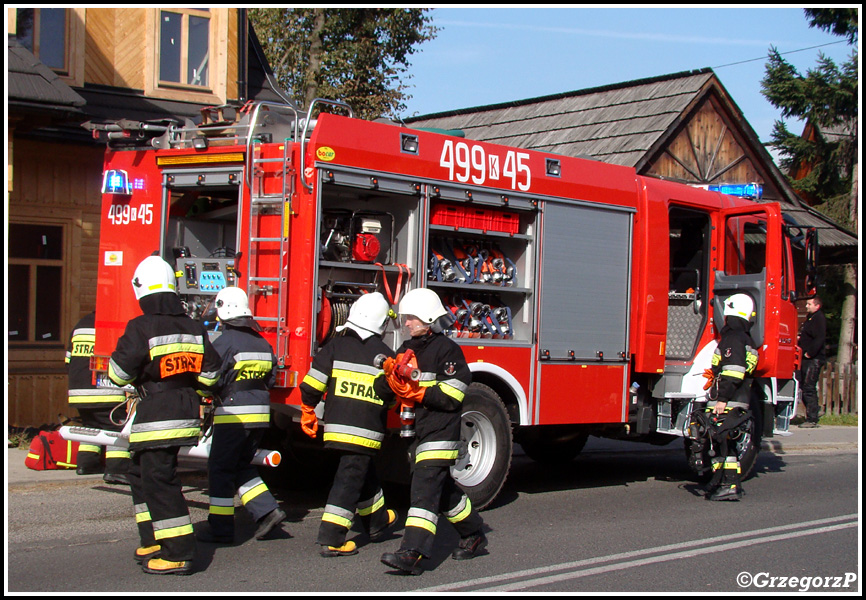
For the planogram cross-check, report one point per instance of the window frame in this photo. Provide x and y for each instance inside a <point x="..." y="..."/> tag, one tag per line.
<point x="72" y="72"/>
<point x="32" y="264"/>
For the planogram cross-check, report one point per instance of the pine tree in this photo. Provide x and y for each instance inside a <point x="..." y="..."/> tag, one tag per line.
<point x="357" y="55"/>
<point x="826" y="98"/>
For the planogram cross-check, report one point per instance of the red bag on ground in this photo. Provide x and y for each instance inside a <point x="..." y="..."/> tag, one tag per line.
<point x="49" y="451"/>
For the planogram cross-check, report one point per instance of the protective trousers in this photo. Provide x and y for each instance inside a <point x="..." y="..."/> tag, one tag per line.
<point x="810" y="370"/>
<point x="355" y="487"/>
<point x="160" y="508"/>
<point x="117" y="460"/>
<point x="433" y="491"/>
<point x="230" y="471"/>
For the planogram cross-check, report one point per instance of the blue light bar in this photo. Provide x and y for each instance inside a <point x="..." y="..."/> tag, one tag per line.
<point x="741" y="190"/>
<point x="116" y="182"/>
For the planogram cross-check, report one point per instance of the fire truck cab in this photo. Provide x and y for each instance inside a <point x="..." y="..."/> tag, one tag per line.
<point x="586" y="298"/>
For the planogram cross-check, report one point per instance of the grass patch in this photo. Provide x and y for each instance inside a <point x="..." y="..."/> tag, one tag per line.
<point x="849" y="420"/>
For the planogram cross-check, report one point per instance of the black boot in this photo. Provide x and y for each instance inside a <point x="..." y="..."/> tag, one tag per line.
<point x="470" y="546"/>
<point x="407" y="561"/>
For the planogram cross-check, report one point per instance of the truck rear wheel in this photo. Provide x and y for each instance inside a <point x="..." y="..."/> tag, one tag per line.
<point x="485" y="457"/>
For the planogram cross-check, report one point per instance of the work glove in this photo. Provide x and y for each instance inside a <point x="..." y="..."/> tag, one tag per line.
<point x="711" y="377"/>
<point x="309" y="421"/>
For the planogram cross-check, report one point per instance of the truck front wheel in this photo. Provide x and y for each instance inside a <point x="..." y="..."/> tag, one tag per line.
<point x="486" y="445"/>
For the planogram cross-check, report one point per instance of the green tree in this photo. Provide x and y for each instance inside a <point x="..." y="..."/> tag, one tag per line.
<point x="357" y="55"/>
<point x="826" y="97"/>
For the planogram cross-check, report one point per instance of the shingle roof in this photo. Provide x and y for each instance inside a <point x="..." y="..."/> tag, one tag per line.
<point x="620" y="124"/>
<point x="30" y="83"/>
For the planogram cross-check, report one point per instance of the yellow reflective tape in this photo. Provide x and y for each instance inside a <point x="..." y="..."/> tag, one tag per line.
<point x="337" y="520"/>
<point x="733" y="374"/>
<point x="352" y="439"/>
<point x="452" y="391"/>
<point x="436" y="455"/>
<point x="463" y="513"/>
<point x="169" y="434"/>
<point x="369" y="510"/>
<point x="89" y="448"/>
<point x="222" y="510"/>
<point x="315" y="383"/>
<point x="173" y="532"/>
<point x="142" y="517"/>
<point x="113" y="453"/>
<point x="254" y="418"/>
<point x="253" y="492"/>
<point x="421" y="523"/>
<point x="178" y="347"/>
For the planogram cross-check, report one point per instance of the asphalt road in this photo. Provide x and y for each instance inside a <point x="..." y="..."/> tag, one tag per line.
<point x="607" y="522"/>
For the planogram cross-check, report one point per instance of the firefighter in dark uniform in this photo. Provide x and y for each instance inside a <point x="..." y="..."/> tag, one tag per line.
<point x="95" y="406"/>
<point x="242" y="411"/>
<point x="438" y="400"/>
<point x="355" y="423"/>
<point x="170" y="359"/>
<point x="734" y="362"/>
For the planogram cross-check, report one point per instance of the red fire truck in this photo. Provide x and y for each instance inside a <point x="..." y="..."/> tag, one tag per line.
<point x="587" y="298"/>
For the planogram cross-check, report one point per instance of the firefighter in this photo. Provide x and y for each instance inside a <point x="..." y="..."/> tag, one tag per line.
<point x="355" y="423"/>
<point x="169" y="358"/>
<point x="242" y="409"/>
<point x="445" y="378"/>
<point x="95" y="406"/>
<point x="734" y="362"/>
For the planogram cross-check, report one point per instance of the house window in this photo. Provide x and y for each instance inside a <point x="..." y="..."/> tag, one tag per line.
<point x="184" y="47"/>
<point x="45" y="32"/>
<point x="36" y="270"/>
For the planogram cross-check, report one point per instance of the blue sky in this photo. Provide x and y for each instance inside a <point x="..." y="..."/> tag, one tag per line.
<point x="490" y="55"/>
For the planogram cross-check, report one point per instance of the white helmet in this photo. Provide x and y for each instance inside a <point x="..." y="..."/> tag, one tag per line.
<point x="152" y="276"/>
<point x="423" y="303"/>
<point x="232" y="302"/>
<point x="740" y="305"/>
<point x="368" y="314"/>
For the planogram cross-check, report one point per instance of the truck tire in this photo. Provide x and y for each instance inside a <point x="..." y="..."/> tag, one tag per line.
<point x="485" y="456"/>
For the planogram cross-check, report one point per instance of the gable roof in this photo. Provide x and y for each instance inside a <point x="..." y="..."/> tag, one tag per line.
<point x="628" y="124"/>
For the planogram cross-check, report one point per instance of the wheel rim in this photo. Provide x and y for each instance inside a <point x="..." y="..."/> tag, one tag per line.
<point x="478" y="438"/>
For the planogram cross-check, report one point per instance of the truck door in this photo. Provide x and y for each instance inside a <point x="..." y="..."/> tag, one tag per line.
<point x="746" y="248"/>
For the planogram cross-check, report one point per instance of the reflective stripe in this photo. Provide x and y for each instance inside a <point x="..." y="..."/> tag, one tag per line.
<point x="424" y="519"/>
<point x="208" y="378"/>
<point x="450" y="390"/>
<point x="113" y="453"/>
<point x="186" y="342"/>
<point x="170" y="528"/>
<point x="251" y="489"/>
<point x="118" y="375"/>
<point x="733" y="372"/>
<point x="362" y="369"/>
<point x="252" y="365"/>
<point x="436" y="451"/>
<point x="242" y="414"/>
<point x="316" y="380"/>
<point x="142" y="514"/>
<point x="368" y="507"/>
<point x="97" y="395"/>
<point x="222" y="506"/>
<point x="461" y="511"/>
<point x="338" y="516"/>
<point x="89" y="448"/>
<point x="165" y="430"/>
<point x="353" y="435"/>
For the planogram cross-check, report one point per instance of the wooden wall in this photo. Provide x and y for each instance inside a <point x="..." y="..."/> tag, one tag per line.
<point x="706" y="150"/>
<point x="59" y="184"/>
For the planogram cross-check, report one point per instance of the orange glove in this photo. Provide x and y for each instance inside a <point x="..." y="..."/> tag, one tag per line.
<point x="408" y="391"/>
<point x="388" y="365"/>
<point x="309" y="421"/>
<point x="711" y="377"/>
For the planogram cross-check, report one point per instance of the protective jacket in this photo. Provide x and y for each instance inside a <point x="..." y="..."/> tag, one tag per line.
<point x="248" y="371"/>
<point x="813" y="334"/>
<point x="169" y="357"/>
<point x="83" y="393"/>
<point x="355" y="414"/>
<point x="734" y="362"/>
<point x="445" y="377"/>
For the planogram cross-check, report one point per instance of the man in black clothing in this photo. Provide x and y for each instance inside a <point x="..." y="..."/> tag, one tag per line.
<point x="813" y="334"/>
